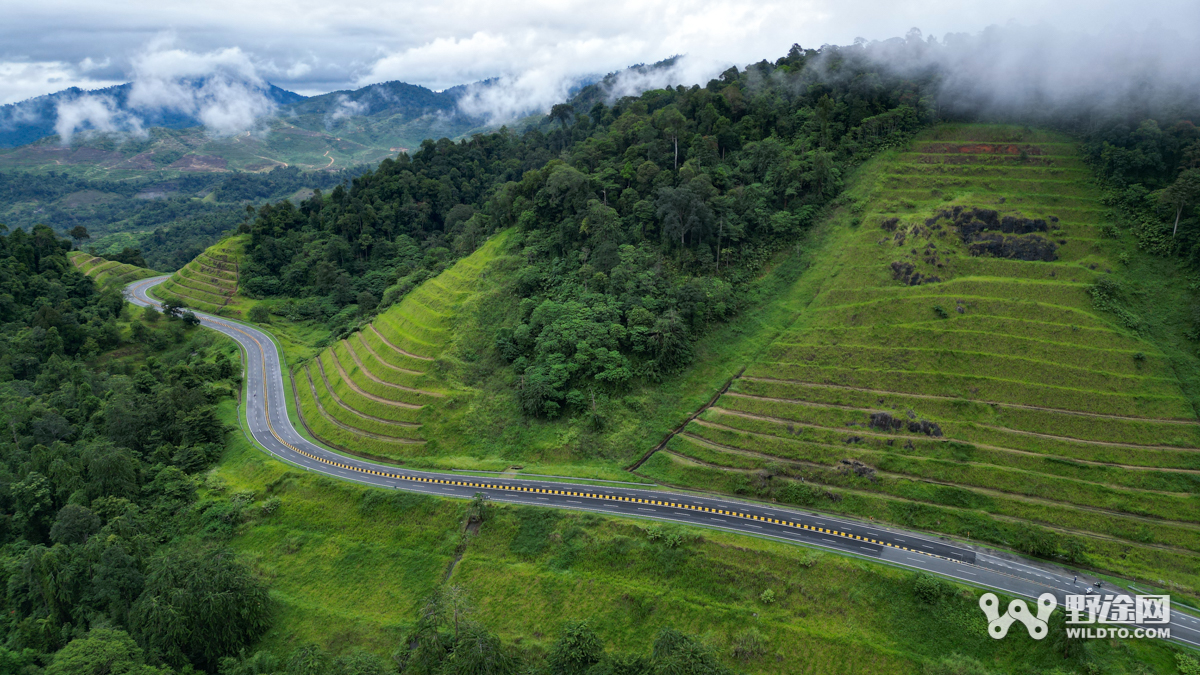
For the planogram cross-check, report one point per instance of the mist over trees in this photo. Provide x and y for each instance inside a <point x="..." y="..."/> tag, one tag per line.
<point x="640" y="220"/>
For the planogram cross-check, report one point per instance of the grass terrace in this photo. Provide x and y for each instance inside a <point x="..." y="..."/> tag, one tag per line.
<point x="209" y="283"/>
<point x="951" y="372"/>
<point x="372" y="393"/>
<point x="108" y="273"/>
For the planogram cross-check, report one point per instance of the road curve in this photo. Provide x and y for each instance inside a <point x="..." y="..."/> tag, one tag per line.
<point x="266" y="413"/>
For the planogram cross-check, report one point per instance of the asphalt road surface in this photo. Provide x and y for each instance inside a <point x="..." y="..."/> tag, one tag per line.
<point x="266" y="412"/>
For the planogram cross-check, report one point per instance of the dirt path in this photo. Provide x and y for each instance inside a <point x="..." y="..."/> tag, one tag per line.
<point x="892" y="498"/>
<point x="921" y="458"/>
<point x="1007" y="430"/>
<point x="1164" y="420"/>
<point x="347" y="427"/>
<point x="355" y="388"/>
<point x="686" y="422"/>
<point x="370" y="375"/>
<point x="872" y="434"/>
<point x="346" y="406"/>
<point x="219" y="290"/>
<point x="398" y="369"/>
<point x="394" y="347"/>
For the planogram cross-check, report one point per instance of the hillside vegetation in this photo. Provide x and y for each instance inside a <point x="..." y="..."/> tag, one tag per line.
<point x="210" y="282"/>
<point x="108" y="273"/>
<point x="352" y="568"/>
<point x="950" y="360"/>
<point x="371" y="392"/>
<point x="954" y="362"/>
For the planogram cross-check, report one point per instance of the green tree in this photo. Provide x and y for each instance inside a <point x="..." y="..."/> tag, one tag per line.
<point x="672" y="123"/>
<point x="74" y="525"/>
<point x="173" y="307"/>
<point x="578" y="648"/>
<point x="309" y="659"/>
<point x="102" y="651"/>
<point x="259" y="314"/>
<point x="478" y="652"/>
<point x="80" y="234"/>
<point x="199" y="606"/>
<point x="677" y="654"/>
<point x="1184" y="192"/>
<point x="682" y="212"/>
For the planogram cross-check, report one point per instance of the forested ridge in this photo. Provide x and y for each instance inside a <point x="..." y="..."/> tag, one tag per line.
<point x="169" y="220"/>
<point x="109" y="415"/>
<point x="640" y="222"/>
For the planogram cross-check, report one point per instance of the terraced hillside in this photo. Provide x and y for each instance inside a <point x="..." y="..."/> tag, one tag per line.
<point x="950" y="371"/>
<point x="108" y="273"/>
<point x="210" y="281"/>
<point x="373" y="392"/>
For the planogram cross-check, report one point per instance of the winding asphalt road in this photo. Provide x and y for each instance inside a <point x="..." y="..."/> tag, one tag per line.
<point x="271" y="428"/>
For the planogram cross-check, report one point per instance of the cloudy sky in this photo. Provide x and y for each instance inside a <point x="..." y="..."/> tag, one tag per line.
<point x="315" y="46"/>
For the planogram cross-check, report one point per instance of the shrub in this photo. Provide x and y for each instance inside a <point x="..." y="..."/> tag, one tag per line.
<point x="259" y="314"/>
<point x="749" y="645"/>
<point x="930" y="589"/>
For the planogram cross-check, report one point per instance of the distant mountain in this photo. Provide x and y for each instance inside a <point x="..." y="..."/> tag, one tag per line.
<point x="33" y="119"/>
<point x="385" y="97"/>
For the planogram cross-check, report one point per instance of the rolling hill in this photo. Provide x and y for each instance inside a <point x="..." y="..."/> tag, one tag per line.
<point x="210" y="282"/>
<point x="372" y="393"/>
<point x="952" y="366"/>
<point x="108" y="273"/>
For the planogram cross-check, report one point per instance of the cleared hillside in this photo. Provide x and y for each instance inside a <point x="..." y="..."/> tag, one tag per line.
<point x="950" y="370"/>
<point x="108" y="273"/>
<point x="210" y="282"/>
<point x="373" y="392"/>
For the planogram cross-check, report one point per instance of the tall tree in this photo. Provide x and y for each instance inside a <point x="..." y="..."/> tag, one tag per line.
<point x="79" y="233"/>
<point x="1184" y="192"/>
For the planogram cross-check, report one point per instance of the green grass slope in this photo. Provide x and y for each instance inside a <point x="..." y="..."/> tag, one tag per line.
<point x="108" y="273"/>
<point x="209" y="283"/>
<point x="924" y="383"/>
<point x="373" y="392"/>
<point x="349" y="567"/>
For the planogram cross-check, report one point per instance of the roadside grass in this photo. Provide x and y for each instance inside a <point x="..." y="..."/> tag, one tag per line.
<point x="209" y="282"/>
<point x="1010" y="333"/>
<point x="894" y="477"/>
<point x="1125" y="558"/>
<point x="348" y="566"/>
<point x="1033" y="390"/>
<point x="393" y="370"/>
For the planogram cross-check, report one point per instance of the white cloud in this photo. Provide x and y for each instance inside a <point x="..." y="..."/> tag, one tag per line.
<point x="20" y="80"/>
<point x="94" y="114"/>
<point x="221" y="88"/>
<point x="345" y="108"/>
<point x="536" y="48"/>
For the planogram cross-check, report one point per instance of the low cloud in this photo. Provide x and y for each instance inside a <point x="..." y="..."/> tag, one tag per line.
<point x="1039" y="72"/>
<point x="221" y="88"/>
<point x="23" y="80"/>
<point x="345" y="108"/>
<point x="94" y="114"/>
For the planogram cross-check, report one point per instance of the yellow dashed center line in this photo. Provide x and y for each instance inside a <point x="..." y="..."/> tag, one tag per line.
<point x="514" y="488"/>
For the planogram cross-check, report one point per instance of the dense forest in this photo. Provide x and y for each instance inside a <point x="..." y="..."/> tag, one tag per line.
<point x="172" y="219"/>
<point x="1152" y="167"/>
<point x="112" y="556"/>
<point x="100" y="457"/>
<point x="640" y="220"/>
